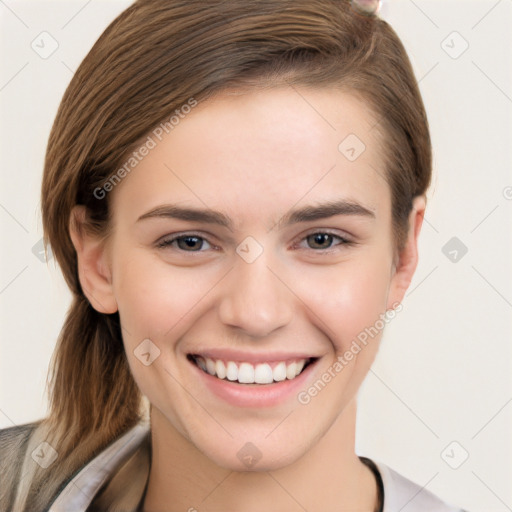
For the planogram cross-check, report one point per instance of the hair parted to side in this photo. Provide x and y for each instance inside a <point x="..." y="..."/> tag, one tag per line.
<point x="149" y="62"/>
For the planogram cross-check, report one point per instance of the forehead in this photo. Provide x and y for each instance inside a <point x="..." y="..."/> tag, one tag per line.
<point x="261" y="151"/>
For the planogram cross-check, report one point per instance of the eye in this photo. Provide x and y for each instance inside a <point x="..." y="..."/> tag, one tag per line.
<point x="186" y="243"/>
<point x="192" y="242"/>
<point x="323" y="240"/>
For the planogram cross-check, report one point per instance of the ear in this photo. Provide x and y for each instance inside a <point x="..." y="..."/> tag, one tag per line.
<point x="407" y="260"/>
<point x="93" y="265"/>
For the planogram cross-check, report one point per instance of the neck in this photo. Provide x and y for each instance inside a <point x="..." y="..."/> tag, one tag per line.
<point x="328" y="477"/>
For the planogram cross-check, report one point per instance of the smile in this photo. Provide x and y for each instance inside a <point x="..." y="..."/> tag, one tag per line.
<point x="248" y="373"/>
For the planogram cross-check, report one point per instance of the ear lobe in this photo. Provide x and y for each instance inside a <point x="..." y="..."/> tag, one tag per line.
<point x="408" y="257"/>
<point x="92" y="258"/>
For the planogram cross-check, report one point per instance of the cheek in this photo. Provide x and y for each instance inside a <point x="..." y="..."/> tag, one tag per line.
<point x="350" y="304"/>
<point x="155" y="298"/>
<point x="351" y="299"/>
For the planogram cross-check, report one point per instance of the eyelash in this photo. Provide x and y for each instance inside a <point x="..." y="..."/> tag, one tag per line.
<point x="343" y="241"/>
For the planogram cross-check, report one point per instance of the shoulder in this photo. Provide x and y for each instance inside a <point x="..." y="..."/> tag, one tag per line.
<point x="27" y="486"/>
<point x="400" y="491"/>
<point x="13" y="445"/>
<point x="16" y="435"/>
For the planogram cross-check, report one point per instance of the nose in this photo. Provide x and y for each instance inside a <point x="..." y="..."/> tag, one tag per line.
<point x="256" y="301"/>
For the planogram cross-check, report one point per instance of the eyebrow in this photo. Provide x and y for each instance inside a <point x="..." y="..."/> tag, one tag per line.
<point x="304" y="214"/>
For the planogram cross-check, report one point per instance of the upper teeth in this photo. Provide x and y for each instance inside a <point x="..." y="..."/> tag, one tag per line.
<point x="247" y="373"/>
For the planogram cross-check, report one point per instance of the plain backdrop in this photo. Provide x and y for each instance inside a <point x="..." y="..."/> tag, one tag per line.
<point x="437" y="404"/>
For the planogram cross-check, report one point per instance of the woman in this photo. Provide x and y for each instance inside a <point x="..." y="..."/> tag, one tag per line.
<point x="234" y="191"/>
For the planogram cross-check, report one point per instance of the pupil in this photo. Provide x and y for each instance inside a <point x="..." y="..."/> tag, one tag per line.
<point x="191" y="241"/>
<point x="321" y="238"/>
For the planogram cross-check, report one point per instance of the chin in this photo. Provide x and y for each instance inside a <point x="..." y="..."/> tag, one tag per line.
<point x="249" y="458"/>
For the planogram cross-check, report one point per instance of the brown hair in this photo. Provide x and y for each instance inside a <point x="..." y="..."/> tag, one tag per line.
<point x="149" y="62"/>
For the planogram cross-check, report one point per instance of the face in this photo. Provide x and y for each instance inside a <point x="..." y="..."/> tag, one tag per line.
<point x="251" y="249"/>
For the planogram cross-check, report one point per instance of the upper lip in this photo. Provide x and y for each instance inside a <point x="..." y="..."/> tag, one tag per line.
<point x="252" y="357"/>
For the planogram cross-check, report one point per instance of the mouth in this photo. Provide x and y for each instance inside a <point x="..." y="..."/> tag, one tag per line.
<point x="244" y="372"/>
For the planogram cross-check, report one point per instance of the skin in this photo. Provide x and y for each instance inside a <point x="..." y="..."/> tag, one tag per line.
<point x="253" y="156"/>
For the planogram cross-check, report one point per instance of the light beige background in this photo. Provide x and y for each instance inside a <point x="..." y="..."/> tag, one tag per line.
<point x="441" y="385"/>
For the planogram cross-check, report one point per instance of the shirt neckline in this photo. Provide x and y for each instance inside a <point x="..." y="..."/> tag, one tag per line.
<point x="378" y="478"/>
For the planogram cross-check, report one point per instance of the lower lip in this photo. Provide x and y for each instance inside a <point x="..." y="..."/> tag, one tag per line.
<point x="255" y="395"/>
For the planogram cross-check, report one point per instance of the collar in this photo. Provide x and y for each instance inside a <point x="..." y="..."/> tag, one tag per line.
<point x="102" y="479"/>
